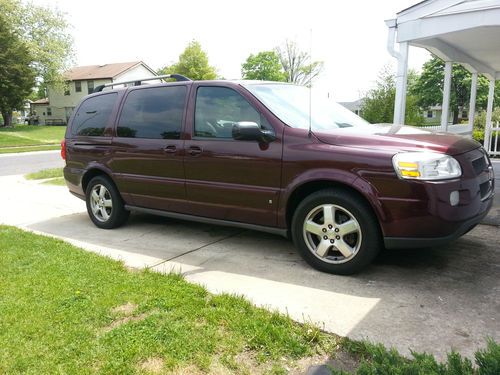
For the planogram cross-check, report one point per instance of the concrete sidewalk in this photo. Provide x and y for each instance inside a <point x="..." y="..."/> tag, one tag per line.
<point x="428" y="300"/>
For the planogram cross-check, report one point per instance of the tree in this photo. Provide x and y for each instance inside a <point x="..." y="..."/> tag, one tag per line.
<point x="297" y="64"/>
<point x="264" y="66"/>
<point x="16" y="77"/>
<point x="45" y="47"/>
<point x="429" y="87"/>
<point x="378" y="105"/>
<point x="193" y="63"/>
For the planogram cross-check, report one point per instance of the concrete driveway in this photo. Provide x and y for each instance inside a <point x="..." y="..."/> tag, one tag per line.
<point x="427" y="300"/>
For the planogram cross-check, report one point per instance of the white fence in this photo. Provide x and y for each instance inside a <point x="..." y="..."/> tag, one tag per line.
<point x="493" y="146"/>
<point x="461" y="129"/>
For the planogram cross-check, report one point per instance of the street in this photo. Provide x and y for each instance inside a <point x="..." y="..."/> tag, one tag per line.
<point x="431" y="300"/>
<point x="27" y="162"/>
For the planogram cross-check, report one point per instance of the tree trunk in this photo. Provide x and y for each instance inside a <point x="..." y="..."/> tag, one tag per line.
<point x="7" y="118"/>
<point x="455" y="117"/>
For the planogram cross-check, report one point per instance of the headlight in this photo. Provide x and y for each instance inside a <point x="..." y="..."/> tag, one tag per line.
<point x="426" y="165"/>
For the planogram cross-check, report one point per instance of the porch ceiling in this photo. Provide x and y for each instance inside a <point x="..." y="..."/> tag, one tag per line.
<point x="467" y="32"/>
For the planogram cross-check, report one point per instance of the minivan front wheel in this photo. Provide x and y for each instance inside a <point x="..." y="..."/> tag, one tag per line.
<point x="104" y="203"/>
<point x="335" y="232"/>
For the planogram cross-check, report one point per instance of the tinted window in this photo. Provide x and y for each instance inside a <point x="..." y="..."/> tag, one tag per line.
<point x="93" y="115"/>
<point x="153" y="113"/>
<point x="218" y="109"/>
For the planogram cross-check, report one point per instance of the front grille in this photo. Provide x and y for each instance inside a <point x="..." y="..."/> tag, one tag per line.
<point x="479" y="165"/>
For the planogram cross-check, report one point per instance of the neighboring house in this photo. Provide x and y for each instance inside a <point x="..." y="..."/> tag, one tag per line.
<point x="39" y="112"/>
<point x="433" y="115"/>
<point x="81" y="81"/>
<point x="354" y="106"/>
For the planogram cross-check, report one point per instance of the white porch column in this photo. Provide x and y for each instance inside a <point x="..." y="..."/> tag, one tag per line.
<point x="446" y="96"/>
<point x="401" y="81"/>
<point x="489" y="113"/>
<point x="472" y="104"/>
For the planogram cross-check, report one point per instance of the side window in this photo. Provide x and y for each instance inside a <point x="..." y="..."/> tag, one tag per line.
<point x="93" y="115"/>
<point x="153" y="113"/>
<point x="218" y="109"/>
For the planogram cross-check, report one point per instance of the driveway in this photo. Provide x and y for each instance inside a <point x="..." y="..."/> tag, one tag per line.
<point x="427" y="300"/>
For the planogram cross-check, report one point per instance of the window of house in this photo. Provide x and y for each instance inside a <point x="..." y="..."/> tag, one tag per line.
<point x="78" y="86"/>
<point x="90" y="86"/>
<point x="430" y="114"/>
<point x="49" y="111"/>
<point x="66" y="88"/>
<point x="464" y="114"/>
<point x="93" y="115"/>
<point x="219" y="108"/>
<point x="153" y="113"/>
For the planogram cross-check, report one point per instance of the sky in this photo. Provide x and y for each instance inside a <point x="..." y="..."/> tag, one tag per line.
<point x="350" y="37"/>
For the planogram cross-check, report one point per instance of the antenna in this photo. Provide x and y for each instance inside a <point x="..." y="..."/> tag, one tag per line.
<point x="310" y="85"/>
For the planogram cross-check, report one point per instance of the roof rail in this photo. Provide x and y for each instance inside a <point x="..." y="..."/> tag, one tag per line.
<point x="138" y="82"/>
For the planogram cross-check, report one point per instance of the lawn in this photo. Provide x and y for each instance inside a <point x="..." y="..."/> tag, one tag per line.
<point x="53" y="176"/>
<point x="64" y="310"/>
<point x="21" y="138"/>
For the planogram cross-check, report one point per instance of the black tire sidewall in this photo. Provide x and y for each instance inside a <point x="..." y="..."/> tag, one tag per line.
<point x="370" y="243"/>
<point x="118" y="213"/>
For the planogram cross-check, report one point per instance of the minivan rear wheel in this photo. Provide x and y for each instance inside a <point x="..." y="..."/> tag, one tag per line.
<point x="104" y="203"/>
<point x="335" y="232"/>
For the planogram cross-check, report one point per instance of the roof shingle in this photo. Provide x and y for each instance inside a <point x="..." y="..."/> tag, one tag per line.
<point x="99" y="71"/>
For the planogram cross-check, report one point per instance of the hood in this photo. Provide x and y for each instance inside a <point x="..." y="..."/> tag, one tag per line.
<point x="399" y="138"/>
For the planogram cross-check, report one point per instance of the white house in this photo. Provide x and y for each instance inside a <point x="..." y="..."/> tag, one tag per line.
<point x="81" y="81"/>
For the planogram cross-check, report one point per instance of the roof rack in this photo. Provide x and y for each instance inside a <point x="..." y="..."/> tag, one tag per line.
<point x="138" y="82"/>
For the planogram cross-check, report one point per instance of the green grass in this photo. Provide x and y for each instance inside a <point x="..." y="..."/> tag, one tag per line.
<point x="22" y="138"/>
<point x="9" y="150"/>
<point x="45" y="173"/>
<point x="64" y="310"/>
<point x="59" y="181"/>
<point x="60" y="313"/>
<point x="376" y="359"/>
<point x="53" y="176"/>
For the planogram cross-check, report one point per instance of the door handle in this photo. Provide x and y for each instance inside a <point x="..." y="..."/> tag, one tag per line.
<point x="194" y="150"/>
<point x="170" y="149"/>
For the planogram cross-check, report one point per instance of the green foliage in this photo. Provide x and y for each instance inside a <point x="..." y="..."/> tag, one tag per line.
<point x="376" y="359"/>
<point x="29" y="135"/>
<point x="297" y="64"/>
<point x="378" y="105"/>
<point x="428" y="87"/>
<point x="480" y="123"/>
<point x="264" y="66"/>
<point x="16" y="76"/>
<point x="45" y="173"/>
<point x="60" y="313"/>
<point x="193" y="63"/>
<point x="37" y="46"/>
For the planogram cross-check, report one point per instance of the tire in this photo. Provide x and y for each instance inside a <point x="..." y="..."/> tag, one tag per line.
<point x="347" y="242"/>
<point x="104" y="203"/>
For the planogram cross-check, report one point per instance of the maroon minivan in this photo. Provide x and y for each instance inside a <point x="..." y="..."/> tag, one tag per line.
<point x="258" y="155"/>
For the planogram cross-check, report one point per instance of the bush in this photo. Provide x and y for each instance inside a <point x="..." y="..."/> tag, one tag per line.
<point x="480" y="123"/>
<point x="376" y="359"/>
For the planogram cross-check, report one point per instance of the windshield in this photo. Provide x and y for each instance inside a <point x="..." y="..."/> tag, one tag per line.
<point x="291" y="104"/>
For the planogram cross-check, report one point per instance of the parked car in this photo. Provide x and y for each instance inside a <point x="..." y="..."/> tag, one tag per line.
<point x="253" y="155"/>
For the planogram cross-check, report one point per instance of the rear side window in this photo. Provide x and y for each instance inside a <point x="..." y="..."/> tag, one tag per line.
<point x="93" y="115"/>
<point x="154" y="112"/>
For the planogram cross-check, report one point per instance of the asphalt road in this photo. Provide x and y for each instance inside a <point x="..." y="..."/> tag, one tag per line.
<point x="27" y="162"/>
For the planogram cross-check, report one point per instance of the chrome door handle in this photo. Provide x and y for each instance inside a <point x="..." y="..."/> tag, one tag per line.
<point x="195" y="150"/>
<point x="170" y="149"/>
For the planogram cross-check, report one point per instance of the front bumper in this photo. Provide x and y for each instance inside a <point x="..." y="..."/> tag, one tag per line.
<point x="419" y="242"/>
<point x="420" y="214"/>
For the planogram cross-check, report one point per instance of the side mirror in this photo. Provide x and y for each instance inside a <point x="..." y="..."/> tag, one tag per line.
<point x="251" y="131"/>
